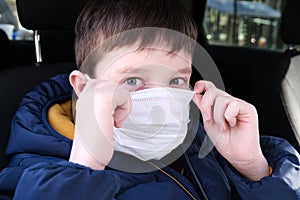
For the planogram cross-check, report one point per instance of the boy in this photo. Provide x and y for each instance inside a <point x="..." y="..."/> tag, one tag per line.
<point x="118" y="79"/>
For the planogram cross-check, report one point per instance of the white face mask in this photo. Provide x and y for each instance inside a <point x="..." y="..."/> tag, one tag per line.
<point x="157" y="123"/>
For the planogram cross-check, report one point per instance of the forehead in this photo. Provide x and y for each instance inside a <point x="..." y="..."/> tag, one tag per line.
<point x="132" y="59"/>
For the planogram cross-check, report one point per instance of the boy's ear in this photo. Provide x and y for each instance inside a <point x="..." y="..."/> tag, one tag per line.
<point x="78" y="81"/>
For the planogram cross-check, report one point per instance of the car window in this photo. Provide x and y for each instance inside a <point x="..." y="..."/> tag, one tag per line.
<point x="9" y="22"/>
<point x="253" y="23"/>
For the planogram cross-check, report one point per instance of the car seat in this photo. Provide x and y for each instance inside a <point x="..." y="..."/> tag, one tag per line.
<point x="277" y="86"/>
<point x="290" y="87"/>
<point x="53" y="23"/>
<point x="4" y="41"/>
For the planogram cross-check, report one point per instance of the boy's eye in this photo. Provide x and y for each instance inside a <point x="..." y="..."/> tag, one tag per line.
<point x="134" y="81"/>
<point x="177" y="81"/>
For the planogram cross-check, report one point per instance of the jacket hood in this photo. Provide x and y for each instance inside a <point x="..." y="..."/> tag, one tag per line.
<point x="31" y="131"/>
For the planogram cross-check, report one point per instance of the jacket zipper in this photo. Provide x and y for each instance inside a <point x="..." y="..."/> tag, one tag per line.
<point x="174" y="179"/>
<point x="195" y="176"/>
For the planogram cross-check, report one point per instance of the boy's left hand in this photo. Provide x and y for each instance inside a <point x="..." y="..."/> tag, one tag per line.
<point x="232" y="125"/>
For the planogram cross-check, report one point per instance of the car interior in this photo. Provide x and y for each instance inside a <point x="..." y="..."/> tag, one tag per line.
<point x="266" y="78"/>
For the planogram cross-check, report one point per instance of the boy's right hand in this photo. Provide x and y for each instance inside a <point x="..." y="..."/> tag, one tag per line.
<point x="100" y="106"/>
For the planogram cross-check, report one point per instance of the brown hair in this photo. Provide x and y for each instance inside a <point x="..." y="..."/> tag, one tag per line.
<point x="102" y="19"/>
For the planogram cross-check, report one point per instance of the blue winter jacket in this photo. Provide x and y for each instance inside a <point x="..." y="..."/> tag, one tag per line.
<point x="39" y="167"/>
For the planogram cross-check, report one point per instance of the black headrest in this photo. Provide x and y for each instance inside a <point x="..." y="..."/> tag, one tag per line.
<point x="290" y="29"/>
<point x="49" y="14"/>
<point x="3" y="39"/>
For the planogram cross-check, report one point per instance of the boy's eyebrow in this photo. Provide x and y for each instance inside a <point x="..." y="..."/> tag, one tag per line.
<point x="131" y="69"/>
<point x="186" y="70"/>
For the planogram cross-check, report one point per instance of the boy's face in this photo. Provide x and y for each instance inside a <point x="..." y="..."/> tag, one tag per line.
<point x="137" y="70"/>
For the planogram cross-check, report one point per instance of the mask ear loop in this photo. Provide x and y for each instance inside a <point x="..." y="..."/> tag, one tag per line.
<point x="88" y="78"/>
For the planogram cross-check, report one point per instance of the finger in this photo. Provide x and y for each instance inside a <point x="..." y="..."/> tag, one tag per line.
<point x="94" y="86"/>
<point x="219" y="108"/>
<point x="197" y="99"/>
<point x="208" y="101"/>
<point x="231" y="113"/>
<point x="202" y="86"/>
<point x="205" y="112"/>
<point x="242" y="111"/>
<point x="93" y="131"/>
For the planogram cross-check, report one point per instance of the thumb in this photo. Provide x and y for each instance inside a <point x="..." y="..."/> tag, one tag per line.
<point x="123" y="107"/>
